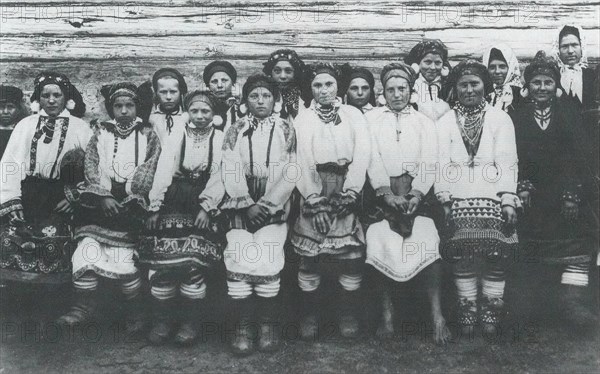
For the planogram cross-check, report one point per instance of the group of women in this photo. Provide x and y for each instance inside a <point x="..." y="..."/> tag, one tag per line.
<point x="466" y="166"/>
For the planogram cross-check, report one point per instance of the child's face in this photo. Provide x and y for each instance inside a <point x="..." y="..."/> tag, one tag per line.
<point x="9" y="113"/>
<point x="124" y="109"/>
<point x="168" y="93"/>
<point x="201" y="114"/>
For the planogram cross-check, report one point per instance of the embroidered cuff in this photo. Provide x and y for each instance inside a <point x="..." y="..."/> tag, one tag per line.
<point x="444" y="197"/>
<point x="316" y="205"/>
<point x="72" y="193"/>
<point x="10" y="206"/>
<point x="570" y="196"/>
<point x="510" y="199"/>
<point x="525" y="185"/>
<point x="206" y="206"/>
<point x="382" y="191"/>
<point x="91" y="193"/>
<point x="236" y="203"/>
<point x="343" y="200"/>
<point x="272" y="208"/>
<point x="416" y="193"/>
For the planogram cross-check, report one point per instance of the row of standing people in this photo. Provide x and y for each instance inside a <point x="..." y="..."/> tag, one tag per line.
<point x="176" y="176"/>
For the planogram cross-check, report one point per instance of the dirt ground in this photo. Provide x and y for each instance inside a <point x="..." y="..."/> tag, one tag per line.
<point x="31" y="343"/>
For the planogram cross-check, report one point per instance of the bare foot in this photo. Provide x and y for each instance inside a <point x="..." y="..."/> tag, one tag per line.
<point x="441" y="333"/>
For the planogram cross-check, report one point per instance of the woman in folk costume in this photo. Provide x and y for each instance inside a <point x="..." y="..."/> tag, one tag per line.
<point x="220" y="77"/>
<point x="120" y="163"/>
<point x="187" y="191"/>
<point x="168" y="117"/>
<point x="503" y="66"/>
<point x="333" y="154"/>
<point x="477" y="186"/>
<point x="557" y="226"/>
<point x="41" y="166"/>
<point x="258" y="153"/>
<point x="577" y="79"/>
<point x="358" y="87"/>
<point x="403" y="239"/>
<point x="286" y="68"/>
<point x="12" y="111"/>
<point x="429" y="58"/>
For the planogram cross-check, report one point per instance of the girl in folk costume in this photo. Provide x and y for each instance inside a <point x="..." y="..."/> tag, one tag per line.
<point x="557" y="226"/>
<point x="333" y="153"/>
<point x="168" y="118"/>
<point x="257" y="154"/>
<point x="429" y="58"/>
<point x="39" y="176"/>
<point x="120" y="163"/>
<point x="286" y="68"/>
<point x="186" y="193"/>
<point x="12" y="111"/>
<point x="503" y="66"/>
<point x="219" y="77"/>
<point x="577" y="79"/>
<point x="403" y="240"/>
<point x="477" y="186"/>
<point x="358" y="87"/>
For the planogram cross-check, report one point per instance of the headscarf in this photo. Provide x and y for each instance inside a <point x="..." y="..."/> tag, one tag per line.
<point x="502" y="94"/>
<point x="544" y="65"/>
<point x="111" y="93"/>
<point x="219" y="66"/>
<point x="571" y="77"/>
<point x="11" y="94"/>
<point x="73" y="99"/>
<point x="398" y="69"/>
<point x="260" y="80"/>
<point x="312" y="71"/>
<point x="206" y="96"/>
<point x="175" y="74"/>
<point x="290" y="91"/>
<point x="288" y="55"/>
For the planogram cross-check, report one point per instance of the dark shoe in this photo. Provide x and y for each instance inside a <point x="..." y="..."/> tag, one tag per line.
<point x="491" y="313"/>
<point x="190" y="316"/>
<point x="135" y="318"/>
<point x="162" y="323"/>
<point x="575" y="303"/>
<point x="348" y="323"/>
<point x="269" y="332"/>
<point x="84" y="309"/>
<point x="309" y="324"/>
<point x="467" y="316"/>
<point x="242" y="343"/>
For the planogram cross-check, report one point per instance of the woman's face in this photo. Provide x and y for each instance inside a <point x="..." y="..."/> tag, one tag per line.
<point x="201" y="114"/>
<point x="124" y="109"/>
<point x="168" y="93"/>
<point x="542" y="88"/>
<point x="470" y="89"/>
<point x="9" y="113"/>
<point x="324" y="89"/>
<point x="52" y="100"/>
<point x="359" y="92"/>
<point x="570" y="50"/>
<point x="397" y="93"/>
<point x="283" y="72"/>
<point x="221" y="85"/>
<point x="261" y="102"/>
<point x="431" y="66"/>
<point x="498" y="70"/>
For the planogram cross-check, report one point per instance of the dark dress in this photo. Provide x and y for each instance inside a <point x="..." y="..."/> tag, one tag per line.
<point x="551" y="168"/>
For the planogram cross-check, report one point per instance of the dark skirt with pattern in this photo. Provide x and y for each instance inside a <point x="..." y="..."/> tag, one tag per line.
<point x="477" y="230"/>
<point x="179" y="246"/>
<point x="39" y="249"/>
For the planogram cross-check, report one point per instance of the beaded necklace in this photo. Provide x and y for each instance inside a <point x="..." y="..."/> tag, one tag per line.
<point x="470" y="123"/>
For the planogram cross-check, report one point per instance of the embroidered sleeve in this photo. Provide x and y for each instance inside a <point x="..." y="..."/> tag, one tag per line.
<point x="14" y="166"/>
<point x="357" y="170"/>
<point x="97" y="179"/>
<point x="442" y="185"/>
<point x="427" y="168"/>
<point x="308" y="183"/>
<point x="232" y="171"/>
<point x="505" y="155"/>
<point x="213" y="193"/>
<point x="380" y="180"/>
<point x="143" y="177"/>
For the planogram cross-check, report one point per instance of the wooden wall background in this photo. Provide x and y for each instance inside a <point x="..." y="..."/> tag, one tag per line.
<point x="96" y="42"/>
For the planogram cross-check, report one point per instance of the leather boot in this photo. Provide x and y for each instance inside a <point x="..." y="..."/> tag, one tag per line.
<point x="269" y="324"/>
<point x="348" y="322"/>
<point x="84" y="308"/>
<point x="134" y="316"/>
<point x="191" y="314"/>
<point x="309" y="324"/>
<point x="242" y="343"/>
<point x="575" y="305"/>
<point x="162" y="321"/>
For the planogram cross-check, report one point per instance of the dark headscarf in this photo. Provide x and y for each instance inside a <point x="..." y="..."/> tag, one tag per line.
<point x="469" y="67"/>
<point x="45" y="78"/>
<point x="11" y="94"/>
<point x="170" y="73"/>
<point x="425" y="47"/>
<point x="111" y="92"/>
<point x="348" y="73"/>
<point x="219" y="66"/>
<point x="288" y="55"/>
<point x="312" y="71"/>
<point x="260" y="80"/>
<point x="542" y="64"/>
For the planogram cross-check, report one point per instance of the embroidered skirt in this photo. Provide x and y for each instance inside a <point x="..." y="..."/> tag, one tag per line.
<point x="478" y="229"/>
<point x="39" y="249"/>
<point x="178" y="244"/>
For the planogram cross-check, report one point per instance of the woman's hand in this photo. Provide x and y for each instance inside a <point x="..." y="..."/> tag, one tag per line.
<point x="152" y="221"/>
<point x="396" y="202"/>
<point x="525" y="197"/>
<point x="321" y="222"/>
<point x="510" y="215"/>
<point x="257" y="214"/>
<point x="202" y="220"/>
<point x="64" y="206"/>
<point x="110" y="206"/>
<point x="569" y="210"/>
<point x="17" y="215"/>
<point x="413" y="205"/>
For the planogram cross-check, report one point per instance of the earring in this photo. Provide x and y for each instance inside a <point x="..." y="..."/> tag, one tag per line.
<point x="524" y="92"/>
<point x="559" y="92"/>
<point x="445" y="71"/>
<point x="70" y="104"/>
<point x="217" y="121"/>
<point x="415" y="67"/>
<point x="243" y="108"/>
<point x="277" y="107"/>
<point x="35" y="106"/>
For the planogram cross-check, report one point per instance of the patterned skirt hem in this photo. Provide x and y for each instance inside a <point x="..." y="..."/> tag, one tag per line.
<point x="404" y="277"/>
<point x="252" y="278"/>
<point x="106" y="236"/>
<point x="104" y="273"/>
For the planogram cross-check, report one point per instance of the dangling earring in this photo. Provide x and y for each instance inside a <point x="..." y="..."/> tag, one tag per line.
<point x="415" y="67"/>
<point x="524" y="92"/>
<point x="217" y="121"/>
<point x="345" y="98"/>
<point x="559" y="92"/>
<point x="70" y="104"/>
<point x="277" y="107"/>
<point x="35" y="106"/>
<point x="243" y="108"/>
<point x="445" y="71"/>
